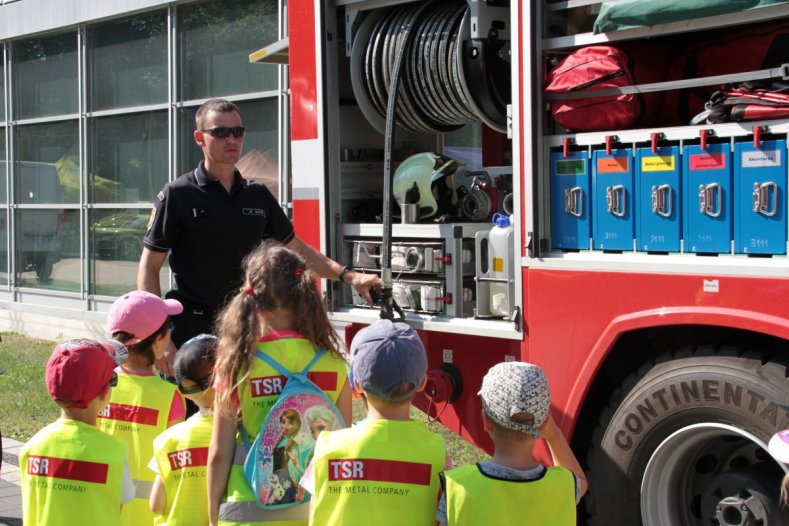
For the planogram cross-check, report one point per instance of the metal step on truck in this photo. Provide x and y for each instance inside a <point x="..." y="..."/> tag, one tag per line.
<point x="641" y="261"/>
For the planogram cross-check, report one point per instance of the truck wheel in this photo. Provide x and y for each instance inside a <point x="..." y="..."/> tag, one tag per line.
<point x="684" y="442"/>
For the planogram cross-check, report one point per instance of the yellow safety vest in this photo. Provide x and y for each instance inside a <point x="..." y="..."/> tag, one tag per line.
<point x="137" y="413"/>
<point x="71" y="474"/>
<point x="476" y="498"/>
<point x="382" y="472"/>
<point x="181" y="455"/>
<point x="257" y="396"/>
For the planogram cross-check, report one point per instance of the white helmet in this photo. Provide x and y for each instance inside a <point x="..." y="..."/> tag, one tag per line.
<point x="426" y="179"/>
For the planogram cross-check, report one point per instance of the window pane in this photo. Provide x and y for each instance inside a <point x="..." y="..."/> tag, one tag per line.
<point x="3" y="168"/>
<point x="3" y="247"/>
<point x="47" y="253"/>
<point x="129" y="62"/>
<point x="47" y="166"/>
<point x="2" y="87"/>
<point x="215" y="41"/>
<point x="45" y="72"/>
<point x="260" y="157"/>
<point x="128" y="157"/>
<point x="115" y="247"/>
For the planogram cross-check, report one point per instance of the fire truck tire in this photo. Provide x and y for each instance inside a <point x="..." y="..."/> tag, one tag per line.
<point x="684" y="442"/>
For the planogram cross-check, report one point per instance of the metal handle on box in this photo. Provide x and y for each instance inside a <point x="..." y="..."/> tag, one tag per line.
<point x="616" y="199"/>
<point x="765" y="199"/>
<point x="661" y="200"/>
<point x="710" y="199"/>
<point x="574" y="201"/>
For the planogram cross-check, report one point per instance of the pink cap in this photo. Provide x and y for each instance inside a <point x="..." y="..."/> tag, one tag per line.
<point x="79" y="370"/>
<point x="140" y="314"/>
<point x="779" y="446"/>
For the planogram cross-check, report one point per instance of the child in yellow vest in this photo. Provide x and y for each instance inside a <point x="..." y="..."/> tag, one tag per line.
<point x="384" y="470"/>
<point x="71" y="472"/>
<point x="142" y="405"/>
<point x="279" y="312"/>
<point x="179" y="495"/>
<point x="516" y="407"/>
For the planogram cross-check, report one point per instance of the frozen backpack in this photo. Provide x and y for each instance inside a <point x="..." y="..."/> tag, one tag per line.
<point x="283" y="447"/>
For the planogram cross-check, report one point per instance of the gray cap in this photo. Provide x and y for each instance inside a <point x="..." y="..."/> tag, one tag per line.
<point x="515" y="395"/>
<point x="385" y="356"/>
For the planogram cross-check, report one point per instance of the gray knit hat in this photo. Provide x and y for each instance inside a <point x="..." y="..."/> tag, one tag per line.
<point x="515" y="395"/>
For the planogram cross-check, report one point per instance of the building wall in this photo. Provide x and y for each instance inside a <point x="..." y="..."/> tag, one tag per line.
<point x="97" y="103"/>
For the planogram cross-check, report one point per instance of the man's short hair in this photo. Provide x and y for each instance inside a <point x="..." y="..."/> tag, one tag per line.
<point x="217" y="105"/>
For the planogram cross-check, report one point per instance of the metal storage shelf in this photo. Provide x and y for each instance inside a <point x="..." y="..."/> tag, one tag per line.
<point x="418" y="230"/>
<point x="684" y="26"/>
<point x="702" y="265"/>
<point x="495" y="329"/>
<point x="674" y="133"/>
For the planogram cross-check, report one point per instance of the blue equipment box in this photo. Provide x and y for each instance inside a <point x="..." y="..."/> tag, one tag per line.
<point x="612" y="199"/>
<point x="571" y="225"/>
<point x="760" y="197"/>
<point x="707" y="213"/>
<point x="659" y="195"/>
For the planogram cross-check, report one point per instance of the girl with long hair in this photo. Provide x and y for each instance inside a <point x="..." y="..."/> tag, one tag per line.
<point x="279" y="312"/>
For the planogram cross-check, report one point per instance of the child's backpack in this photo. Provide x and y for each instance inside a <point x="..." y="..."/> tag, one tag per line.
<point x="276" y="460"/>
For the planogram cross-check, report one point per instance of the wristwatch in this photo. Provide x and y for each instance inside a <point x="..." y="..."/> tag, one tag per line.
<point x="344" y="270"/>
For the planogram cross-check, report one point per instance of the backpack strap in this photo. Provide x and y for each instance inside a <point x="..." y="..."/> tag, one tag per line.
<point x="320" y="352"/>
<point x="281" y="370"/>
<point x="273" y="363"/>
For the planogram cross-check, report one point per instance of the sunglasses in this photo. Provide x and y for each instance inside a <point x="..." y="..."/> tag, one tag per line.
<point x="114" y="380"/>
<point x="222" y="132"/>
<point x="201" y="386"/>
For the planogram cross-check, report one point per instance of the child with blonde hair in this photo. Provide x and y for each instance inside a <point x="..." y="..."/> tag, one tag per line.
<point x="279" y="312"/>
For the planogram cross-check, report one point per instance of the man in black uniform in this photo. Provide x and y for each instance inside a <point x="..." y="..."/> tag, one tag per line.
<point x="209" y="219"/>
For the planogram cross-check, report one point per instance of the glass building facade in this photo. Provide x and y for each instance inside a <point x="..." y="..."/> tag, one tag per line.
<point x="97" y="116"/>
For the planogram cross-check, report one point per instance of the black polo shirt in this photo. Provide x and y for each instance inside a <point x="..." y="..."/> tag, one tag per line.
<point x="208" y="231"/>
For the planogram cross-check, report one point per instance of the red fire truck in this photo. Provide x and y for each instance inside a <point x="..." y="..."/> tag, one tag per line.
<point x="643" y="267"/>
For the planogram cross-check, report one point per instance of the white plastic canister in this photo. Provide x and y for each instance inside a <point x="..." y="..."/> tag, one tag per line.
<point x="500" y="265"/>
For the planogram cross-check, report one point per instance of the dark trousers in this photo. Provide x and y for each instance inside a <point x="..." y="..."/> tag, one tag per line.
<point x="195" y="319"/>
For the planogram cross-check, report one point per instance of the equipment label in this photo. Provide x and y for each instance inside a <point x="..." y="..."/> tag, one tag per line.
<point x="609" y="165"/>
<point x="571" y="167"/>
<point x="658" y="163"/>
<point x="708" y="161"/>
<point x="761" y="159"/>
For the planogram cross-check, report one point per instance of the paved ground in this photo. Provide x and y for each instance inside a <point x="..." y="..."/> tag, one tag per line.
<point x="10" y="492"/>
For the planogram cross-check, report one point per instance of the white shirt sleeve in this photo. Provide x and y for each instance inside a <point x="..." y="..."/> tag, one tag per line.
<point x="308" y="479"/>
<point x="154" y="466"/>
<point x="127" y="484"/>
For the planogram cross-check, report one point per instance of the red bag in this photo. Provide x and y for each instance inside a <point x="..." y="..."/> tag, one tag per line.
<point x="752" y="49"/>
<point x="594" y="67"/>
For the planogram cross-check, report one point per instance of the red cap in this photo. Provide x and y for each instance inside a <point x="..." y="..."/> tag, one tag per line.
<point x="140" y="314"/>
<point x="79" y="370"/>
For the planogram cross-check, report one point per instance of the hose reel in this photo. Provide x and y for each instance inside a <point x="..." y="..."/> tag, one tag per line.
<point x="449" y="78"/>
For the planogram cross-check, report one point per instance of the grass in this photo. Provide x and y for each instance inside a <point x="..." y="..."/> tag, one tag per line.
<point x="26" y="406"/>
<point x="460" y="451"/>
